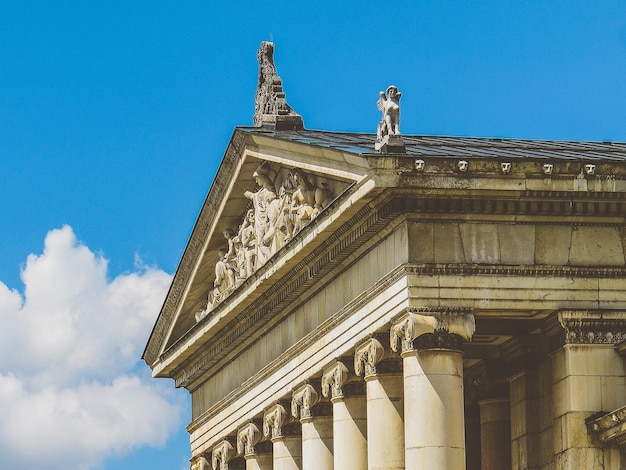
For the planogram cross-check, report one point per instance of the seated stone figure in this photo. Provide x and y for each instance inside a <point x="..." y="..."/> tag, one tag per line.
<point x="389" y="104"/>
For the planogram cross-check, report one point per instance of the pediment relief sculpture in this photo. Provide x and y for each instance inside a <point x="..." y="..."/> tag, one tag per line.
<point x="281" y="205"/>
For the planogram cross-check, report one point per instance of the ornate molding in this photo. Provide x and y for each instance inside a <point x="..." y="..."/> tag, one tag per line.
<point x="333" y="378"/>
<point x="195" y="246"/>
<point x="221" y="455"/>
<point x="303" y="400"/>
<point x="247" y="437"/>
<point x="366" y="356"/>
<point x="586" y="327"/>
<point x="439" y="325"/>
<point x="609" y="428"/>
<point x="273" y="421"/>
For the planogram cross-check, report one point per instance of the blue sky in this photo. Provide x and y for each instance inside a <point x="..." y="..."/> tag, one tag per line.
<point x="114" y="117"/>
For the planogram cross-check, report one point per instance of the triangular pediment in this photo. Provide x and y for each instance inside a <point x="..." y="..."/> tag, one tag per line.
<point x="299" y="180"/>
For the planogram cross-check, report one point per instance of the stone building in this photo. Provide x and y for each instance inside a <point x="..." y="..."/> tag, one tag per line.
<point x="385" y="301"/>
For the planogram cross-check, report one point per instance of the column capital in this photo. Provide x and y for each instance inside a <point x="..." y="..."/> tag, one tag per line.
<point x="199" y="463"/>
<point x="366" y="356"/>
<point x="440" y="324"/>
<point x="302" y="400"/>
<point x="333" y="378"/>
<point x="247" y="437"/>
<point x="586" y="327"/>
<point x="222" y="453"/>
<point x="273" y="421"/>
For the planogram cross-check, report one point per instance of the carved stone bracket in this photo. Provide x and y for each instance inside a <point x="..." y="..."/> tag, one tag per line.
<point x="199" y="463"/>
<point x="366" y="356"/>
<point x="333" y="379"/>
<point x="303" y="400"/>
<point x="273" y="421"/>
<point x="586" y="327"/>
<point x="435" y="330"/>
<point x="247" y="437"/>
<point x="222" y="454"/>
<point x="609" y="428"/>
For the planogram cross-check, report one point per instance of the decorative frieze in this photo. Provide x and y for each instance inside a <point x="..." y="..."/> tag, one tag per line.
<point x="281" y="208"/>
<point x="586" y="327"/>
<point x="434" y="330"/>
<point x="366" y="356"/>
<point x="333" y="379"/>
<point x="247" y="437"/>
<point x="221" y="455"/>
<point x="302" y="401"/>
<point x="274" y="420"/>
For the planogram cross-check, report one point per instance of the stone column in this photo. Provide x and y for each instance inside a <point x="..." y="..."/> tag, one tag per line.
<point x="385" y="409"/>
<point x="286" y="439"/>
<point x="588" y="376"/>
<point x="257" y="458"/>
<point x="495" y="434"/>
<point x="317" y="429"/>
<point x="349" y="418"/>
<point x="222" y="453"/>
<point x="433" y="387"/>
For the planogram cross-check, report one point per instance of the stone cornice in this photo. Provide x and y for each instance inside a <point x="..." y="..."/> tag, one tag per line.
<point x="586" y="327"/>
<point x="609" y="428"/>
<point x="193" y="251"/>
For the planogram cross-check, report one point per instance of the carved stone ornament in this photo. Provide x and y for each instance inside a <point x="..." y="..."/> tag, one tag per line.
<point x="413" y="325"/>
<point x="273" y="421"/>
<point x="221" y="455"/>
<point x="548" y="168"/>
<point x="199" y="463"/>
<point x="366" y="356"/>
<point x="247" y="437"/>
<point x="333" y="379"/>
<point x="586" y="327"/>
<point x="505" y="167"/>
<point x="277" y="214"/>
<point x="271" y="108"/>
<point x="388" y="138"/>
<point x="463" y="165"/>
<point x="303" y="400"/>
<point x="609" y="428"/>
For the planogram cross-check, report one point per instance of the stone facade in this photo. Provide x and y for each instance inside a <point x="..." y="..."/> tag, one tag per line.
<point x="461" y="305"/>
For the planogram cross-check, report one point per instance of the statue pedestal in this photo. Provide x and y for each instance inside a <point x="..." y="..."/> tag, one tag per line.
<point x="391" y="144"/>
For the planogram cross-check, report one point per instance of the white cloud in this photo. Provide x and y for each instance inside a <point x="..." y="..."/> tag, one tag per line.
<point x="70" y="393"/>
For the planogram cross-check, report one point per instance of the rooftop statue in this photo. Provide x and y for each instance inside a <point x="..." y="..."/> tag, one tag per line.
<point x="388" y="138"/>
<point x="271" y="108"/>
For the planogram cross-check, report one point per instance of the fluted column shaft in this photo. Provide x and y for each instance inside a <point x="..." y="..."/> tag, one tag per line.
<point x="495" y="433"/>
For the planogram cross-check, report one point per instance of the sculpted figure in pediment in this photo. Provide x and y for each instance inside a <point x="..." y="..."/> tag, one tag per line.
<point x="272" y="221"/>
<point x="264" y="213"/>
